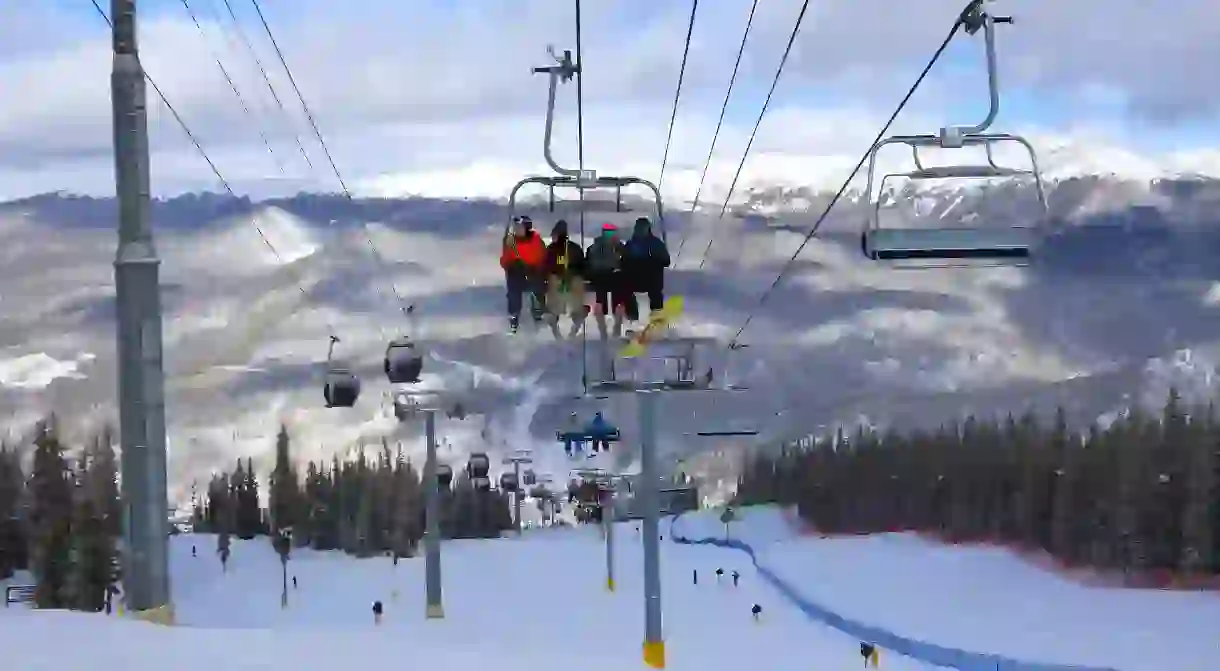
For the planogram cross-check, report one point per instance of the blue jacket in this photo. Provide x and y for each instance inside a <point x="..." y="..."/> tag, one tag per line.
<point x="645" y="258"/>
<point x="644" y="250"/>
<point x="599" y="428"/>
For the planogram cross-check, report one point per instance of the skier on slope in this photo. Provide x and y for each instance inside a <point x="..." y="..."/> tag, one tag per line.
<point x="565" y="284"/>
<point x="522" y="258"/>
<point x="603" y="270"/>
<point x="645" y="258"/>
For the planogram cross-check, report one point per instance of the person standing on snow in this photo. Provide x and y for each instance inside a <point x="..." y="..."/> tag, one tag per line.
<point x="645" y="258"/>
<point x="565" y="284"/>
<point x="522" y="259"/>
<point x="603" y="266"/>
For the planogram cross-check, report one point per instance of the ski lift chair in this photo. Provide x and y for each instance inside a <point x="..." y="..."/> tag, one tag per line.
<point x="957" y="246"/>
<point x="563" y="71"/>
<point x="953" y="245"/>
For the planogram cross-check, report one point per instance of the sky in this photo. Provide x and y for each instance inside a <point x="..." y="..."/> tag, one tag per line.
<point x="437" y="98"/>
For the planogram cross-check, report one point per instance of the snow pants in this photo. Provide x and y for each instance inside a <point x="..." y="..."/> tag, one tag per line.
<point x="611" y="293"/>
<point x="653" y="284"/>
<point x="566" y="298"/>
<point x="518" y="281"/>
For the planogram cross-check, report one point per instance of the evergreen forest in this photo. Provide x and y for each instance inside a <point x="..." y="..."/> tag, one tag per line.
<point x="1138" y="498"/>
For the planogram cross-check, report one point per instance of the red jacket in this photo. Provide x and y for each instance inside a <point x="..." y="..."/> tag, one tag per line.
<point x="529" y="250"/>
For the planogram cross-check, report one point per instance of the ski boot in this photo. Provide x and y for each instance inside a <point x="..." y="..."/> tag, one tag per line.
<point x="514" y="324"/>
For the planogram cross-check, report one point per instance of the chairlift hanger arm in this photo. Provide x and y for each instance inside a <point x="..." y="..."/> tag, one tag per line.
<point x="562" y="71"/>
<point x="973" y="18"/>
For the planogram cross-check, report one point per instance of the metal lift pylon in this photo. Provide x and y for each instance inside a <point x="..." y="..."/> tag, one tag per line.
<point x="646" y="392"/>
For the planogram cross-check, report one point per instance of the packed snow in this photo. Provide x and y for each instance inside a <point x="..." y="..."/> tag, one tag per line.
<point x="536" y="602"/>
<point x="542" y="599"/>
<point x="981" y="599"/>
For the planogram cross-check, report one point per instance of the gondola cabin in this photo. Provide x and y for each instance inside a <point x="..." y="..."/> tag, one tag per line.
<point x="444" y="475"/>
<point x="478" y="465"/>
<point x="342" y="388"/>
<point x="508" y="482"/>
<point x="403" y="362"/>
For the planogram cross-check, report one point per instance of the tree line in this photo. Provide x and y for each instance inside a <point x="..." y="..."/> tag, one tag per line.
<point x="62" y="520"/>
<point x="61" y="511"/>
<point x="363" y="506"/>
<point x="1142" y="494"/>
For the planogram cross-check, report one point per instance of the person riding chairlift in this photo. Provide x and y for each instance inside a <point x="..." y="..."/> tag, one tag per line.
<point x="603" y="270"/>
<point x="645" y="258"/>
<point x="523" y="257"/>
<point x="599" y="432"/>
<point x="565" y="284"/>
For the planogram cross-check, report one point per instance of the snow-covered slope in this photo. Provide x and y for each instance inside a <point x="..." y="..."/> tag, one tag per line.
<point x="537" y="602"/>
<point x="541" y="599"/>
<point x="984" y="600"/>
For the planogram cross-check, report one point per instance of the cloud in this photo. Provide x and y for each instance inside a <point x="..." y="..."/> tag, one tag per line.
<point x="438" y="97"/>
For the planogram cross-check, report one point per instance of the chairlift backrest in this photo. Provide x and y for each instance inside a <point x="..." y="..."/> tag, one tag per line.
<point x="616" y="183"/>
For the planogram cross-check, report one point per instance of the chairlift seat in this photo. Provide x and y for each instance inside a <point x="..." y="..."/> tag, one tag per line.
<point x="962" y="172"/>
<point x="403" y="362"/>
<point x="899" y="244"/>
<point x="342" y="388"/>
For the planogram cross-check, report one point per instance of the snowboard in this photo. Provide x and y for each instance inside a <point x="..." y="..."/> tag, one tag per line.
<point x="657" y="324"/>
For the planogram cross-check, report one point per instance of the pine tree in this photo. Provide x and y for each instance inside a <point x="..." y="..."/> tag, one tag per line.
<point x="1198" y="519"/>
<point x="283" y="502"/>
<point x="50" y="519"/>
<point x="12" y="534"/>
<point x="94" y="549"/>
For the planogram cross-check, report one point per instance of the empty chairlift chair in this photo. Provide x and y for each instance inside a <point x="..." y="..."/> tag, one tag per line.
<point x="957" y="246"/>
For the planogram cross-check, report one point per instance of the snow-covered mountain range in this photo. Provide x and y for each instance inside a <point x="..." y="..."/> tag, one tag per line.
<point x="1121" y="305"/>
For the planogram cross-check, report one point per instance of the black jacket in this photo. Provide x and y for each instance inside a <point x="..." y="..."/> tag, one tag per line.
<point x="564" y="258"/>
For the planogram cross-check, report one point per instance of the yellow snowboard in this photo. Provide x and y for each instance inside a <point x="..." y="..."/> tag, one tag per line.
<point x="659" y="322"/>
